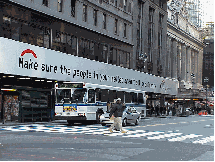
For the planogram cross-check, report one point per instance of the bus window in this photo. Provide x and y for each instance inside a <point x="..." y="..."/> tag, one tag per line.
<point x="134" y="97"/>
<point x="128" y="97"/>
<point x="91" y="96"/>
<point x="140" y="98"/>
<point x="78" y="94"/>
<point x="63" y="95"/>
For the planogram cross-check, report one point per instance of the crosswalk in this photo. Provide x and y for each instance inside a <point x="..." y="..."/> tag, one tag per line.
<point x="171" y="136"/>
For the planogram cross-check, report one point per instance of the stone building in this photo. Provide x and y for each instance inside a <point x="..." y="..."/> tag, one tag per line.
<point x="184" y="59"/>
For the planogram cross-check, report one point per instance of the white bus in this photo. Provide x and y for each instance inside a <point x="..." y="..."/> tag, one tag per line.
<point x="80" y="102"/>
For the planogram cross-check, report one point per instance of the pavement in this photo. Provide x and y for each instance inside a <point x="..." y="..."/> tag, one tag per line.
<point x="11" y="123"/>
<point x="154" y="139"/>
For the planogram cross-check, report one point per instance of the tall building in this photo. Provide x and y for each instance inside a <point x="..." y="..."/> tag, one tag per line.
<point x="208" y="58"/>
<point x="43" y="42"/>
<point x="184" y="52"/>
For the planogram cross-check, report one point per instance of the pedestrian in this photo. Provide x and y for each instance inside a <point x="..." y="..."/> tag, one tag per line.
<point x="157" y="109"/>
<point x="117" y="111"/>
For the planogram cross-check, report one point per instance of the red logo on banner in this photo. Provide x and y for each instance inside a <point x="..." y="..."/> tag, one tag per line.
<point x="29" y="51"/>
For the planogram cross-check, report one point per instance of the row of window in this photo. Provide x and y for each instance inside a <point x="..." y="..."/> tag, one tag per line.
<point x="95" y="15"/>
<point x="119" y="3"/>
<point x="102" y="95"/>
<point x="122" y="3"/>
<point x="38" y="35"/>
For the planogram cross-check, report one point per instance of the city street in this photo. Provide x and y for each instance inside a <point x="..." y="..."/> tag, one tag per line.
<point x="155" y="139"/>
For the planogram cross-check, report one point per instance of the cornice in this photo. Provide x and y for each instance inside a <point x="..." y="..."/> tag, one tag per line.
<point x="184" y="34"/>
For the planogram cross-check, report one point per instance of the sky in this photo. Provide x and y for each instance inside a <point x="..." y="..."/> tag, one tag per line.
<point x="208" y="10"/>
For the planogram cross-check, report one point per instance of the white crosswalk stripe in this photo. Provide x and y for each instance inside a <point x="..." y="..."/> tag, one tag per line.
<point x="171" y="136"/>
<point x="205" y="140"/>
<point x="182" y="138"/>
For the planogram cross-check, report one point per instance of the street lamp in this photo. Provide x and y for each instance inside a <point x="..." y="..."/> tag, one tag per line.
<point x="206" y="79"/>
<point x="143" y="57"/>
<point x="193" y="77"/>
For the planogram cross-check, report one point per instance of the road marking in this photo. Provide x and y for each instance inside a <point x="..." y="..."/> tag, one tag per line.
<point x="100" y="130"/>
<point x="211" y="119"/>
<point x="150" y="125"/>
<point x="183" y="122"/>
<point x="182" y="138"/>
<point x="160" y="124"/>
<point x="202" y="120"/>
<point x="205" y="140"/>
<point x="195" y="121"/>
<point x="164" y="136"/>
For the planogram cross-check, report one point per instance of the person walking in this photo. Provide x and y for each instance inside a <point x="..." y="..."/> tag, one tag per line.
<point x="117" y="111"/>
<point x="157" y="110"/>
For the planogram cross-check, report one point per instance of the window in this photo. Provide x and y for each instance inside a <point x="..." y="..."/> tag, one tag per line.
<point x="63" y="95"/>
<point x="114" y="56"/>
<point x="84" y="13"/>
<point x="128" y="60"/>
<point x="128" y="97"/>
<point x="125" y="26"/>
<point x="104" y="21"/>
<point x="122" y="59"/>
<point x="45" y="3"/>
<point x="73" y="8"/>
<point x="91" y="96"/>
<point x="104" y="53"/>
<point x="160" y="31"/>
<point x="125" y="4"/>
<point x="15" y="29"/>
<point x="121" y="3"/>
<point x="150" y="33"/>
<point x="134" y="97"/>
<point x="115" y="29"/>
<point x="60" y="5"/>
<point x="129" y="7"/>
<point x="71" y="44"/>
<point x="92" y="50"/>
<point x="161" y="3"/>
<point x="116" y="3"/>
<point x="95" y="17"/>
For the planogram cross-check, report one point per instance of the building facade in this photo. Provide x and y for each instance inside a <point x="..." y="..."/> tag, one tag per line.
<point x="91" y="41"/>
<point x="184" y="53"/>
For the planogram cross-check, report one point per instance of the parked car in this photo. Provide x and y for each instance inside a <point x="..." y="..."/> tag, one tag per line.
<point x="130" y="115"/>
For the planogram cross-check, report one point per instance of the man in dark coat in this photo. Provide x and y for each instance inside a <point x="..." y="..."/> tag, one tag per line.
<point x="117" y="111"/>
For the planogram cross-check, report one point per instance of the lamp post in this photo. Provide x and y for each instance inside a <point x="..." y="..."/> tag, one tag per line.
<point x="143" y="57"/>
<point x="193" y="77"/>
<point x="206" y="79"/>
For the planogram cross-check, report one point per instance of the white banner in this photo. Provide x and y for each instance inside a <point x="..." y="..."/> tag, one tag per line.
<point x="19" y="58"/>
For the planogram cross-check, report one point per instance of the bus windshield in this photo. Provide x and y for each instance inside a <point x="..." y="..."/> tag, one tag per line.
<point x="73" y="95"/>
<point x="78" y="94"/>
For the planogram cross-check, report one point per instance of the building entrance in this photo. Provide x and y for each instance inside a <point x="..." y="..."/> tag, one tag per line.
<point x="35" y="106"/>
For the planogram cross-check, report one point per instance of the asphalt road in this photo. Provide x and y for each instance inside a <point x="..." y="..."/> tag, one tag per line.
<point x="155" y="139"/>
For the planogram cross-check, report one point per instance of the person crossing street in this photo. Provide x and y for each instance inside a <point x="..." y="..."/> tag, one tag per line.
<point x="117" y="111"/>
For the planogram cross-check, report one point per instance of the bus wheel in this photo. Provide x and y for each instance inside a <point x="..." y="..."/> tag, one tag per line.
<point x="70" y="122"/>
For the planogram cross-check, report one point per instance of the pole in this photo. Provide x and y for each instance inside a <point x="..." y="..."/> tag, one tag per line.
<point x="206" y="97"/>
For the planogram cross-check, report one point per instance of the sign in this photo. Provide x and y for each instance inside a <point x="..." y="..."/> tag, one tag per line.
<point x="28" y="60"/>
